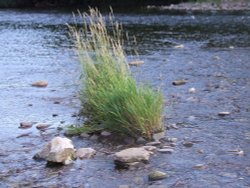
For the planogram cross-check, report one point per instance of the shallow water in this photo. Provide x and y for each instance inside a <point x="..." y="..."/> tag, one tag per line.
<point x="214" y="60"/>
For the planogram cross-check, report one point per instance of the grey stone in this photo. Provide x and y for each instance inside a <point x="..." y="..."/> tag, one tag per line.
<point x="157" y="175"/>
<point x="188" y="144"/>
<point x="85" y="153"/>
<point x="84" y="135"/>
<point x="166" y="150"/>
<point x="42" y="126"/>
<point x="94" y="137"/>
<point x="58" y="150"/>
<point x="25" y="125"/>
<point x="179" y="82"/>
<point x="105" y="133"/>
<point x="153" y="143"/>
<point x="132" y="155"/>
<point x="141" y="140"/>
<point x="159" y="136"/>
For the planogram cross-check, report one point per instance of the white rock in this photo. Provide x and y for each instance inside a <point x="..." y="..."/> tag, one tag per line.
<point x="58" y="150"/>
<point x="132" y="155"/>
<point x="85" y="153"/>
<point x="166" y="150"/>
<point x="192" y="90"/>
<point x="223" y="113"/>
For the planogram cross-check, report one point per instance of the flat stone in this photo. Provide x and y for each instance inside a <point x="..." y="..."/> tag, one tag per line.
<point x="25" y="125"/>
<point x="132" y="155"/>
<point x="157" y="175"/>
<point x="179" y="82"/>
<point x="153" y="143"/>
<point x="188" y="144"/>
<point x="40" y="84"/>
<point x="85" y="153"/>
<point x="136" y="63"/>
<point x="166" y="150"/>
<point x="224" y="113"/>
<point x="42" y="126"/>
<point x="105" y="133"/>
<point x="199" y="167"/>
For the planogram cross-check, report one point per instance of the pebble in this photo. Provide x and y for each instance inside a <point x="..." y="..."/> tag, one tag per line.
<point x="54" y="115"/>
<point x="200" y="167"/>
<point x="136" y="63"/>
<point x="179" y="46"/>
<point x="179" y="82"/>
<point x="188" y="144"/>
<point x="223" y="113"/>
<point x="105" y="133"/>
<point x="40" y="84"/>
<point x="192" y="90"/>
<point x="25" y="125"/>
<point x="166" y="150"/>
<point x="153" y="143"/>
<point x="42" y="126"/>
<point x="157" y="175"/>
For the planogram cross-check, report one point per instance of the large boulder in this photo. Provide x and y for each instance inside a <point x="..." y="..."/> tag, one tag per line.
<point x="58" y="150"/>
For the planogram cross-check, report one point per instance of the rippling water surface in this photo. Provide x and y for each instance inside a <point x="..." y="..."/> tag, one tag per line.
<point x="214" y="59"/>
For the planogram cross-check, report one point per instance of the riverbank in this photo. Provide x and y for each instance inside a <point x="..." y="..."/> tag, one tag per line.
<point x="224" y="5"/>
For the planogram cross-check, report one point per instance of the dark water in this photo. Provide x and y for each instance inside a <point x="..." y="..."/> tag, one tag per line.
<point x="215" y="60"/>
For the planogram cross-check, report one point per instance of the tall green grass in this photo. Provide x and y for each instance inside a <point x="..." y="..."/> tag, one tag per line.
<point x="110" y="93"/>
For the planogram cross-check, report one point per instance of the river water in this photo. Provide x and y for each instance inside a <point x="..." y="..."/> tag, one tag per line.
<point x="214" y="58"/>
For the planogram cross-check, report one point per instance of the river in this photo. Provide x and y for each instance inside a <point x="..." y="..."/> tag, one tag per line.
<point x="211" y="50"/>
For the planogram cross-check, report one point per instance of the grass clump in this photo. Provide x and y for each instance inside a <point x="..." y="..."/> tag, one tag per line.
<point x="110" y="93"/>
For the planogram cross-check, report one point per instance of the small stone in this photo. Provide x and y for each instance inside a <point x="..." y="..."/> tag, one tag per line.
<point x="166" y="150"/>
<point x="42" y="126"/>
<point x="188" y="144"/>
<point x="179" y="82"/>
<point x="129" y="140"/>
<point x="192" y="90"/>
<point x="54" y="115"/>
<point x="231" y="47"/>
<point x="179" y="46"/>
<point x="57" y="102"/>
<point x="136" y="63"/>
<point x="159" y="136"/>
<point x="200" y="167"/>
<point x="150" y="148"/>
<point x="124" y="186"/>
<point x="84" y="135"/>
<point x="141" y="140"/>
<point x="216" y="58"/>
<point x="40" y="84"/>
<point x="223" y="113"/>
<point x="172" y="140"/>
<point x="153" y="143"/>
<point x="25" y="125"/>
<point x="105" y="133"/>
<point x="157" y="175"/>
<point x="85" y="153"/>
<point x="94" y="137"/>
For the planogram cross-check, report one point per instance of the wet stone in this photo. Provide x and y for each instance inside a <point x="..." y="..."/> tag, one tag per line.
<point x="179" y="82"/>
<point x="136" y="63"/>
<point x="157" y="175"/>
<point x="42" y="126"/>
<point x="188" y="144"/>
<point x="40" y="84"/>
<point x="25" y="125"/>
<point x="224" y="113"/>
<point x="153" y="143"/>
<point x="200" y="167"/>
<point x="166" y="150"/>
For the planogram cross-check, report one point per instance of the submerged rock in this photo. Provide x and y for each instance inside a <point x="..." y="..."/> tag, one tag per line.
<point x="40" y="84"/>
<point x="157" y="175"/>
<point x="85" y="153"/>
<point x="58" y="150"/>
